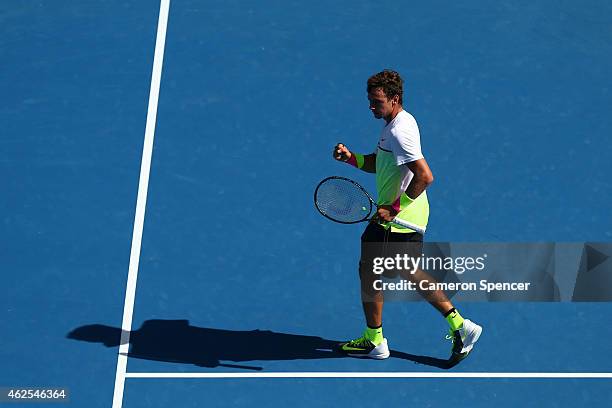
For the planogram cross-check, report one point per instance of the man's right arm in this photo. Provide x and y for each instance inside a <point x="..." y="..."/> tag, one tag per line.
<point x="366" y="162"/>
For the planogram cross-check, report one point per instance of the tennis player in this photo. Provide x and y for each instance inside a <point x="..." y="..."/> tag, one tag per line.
<point x="402" y="176"/>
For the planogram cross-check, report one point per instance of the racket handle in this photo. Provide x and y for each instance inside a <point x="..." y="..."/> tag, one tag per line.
<point x="410" y="225"/>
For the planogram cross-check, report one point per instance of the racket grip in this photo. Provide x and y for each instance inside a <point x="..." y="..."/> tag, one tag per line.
<point x="410" y="225"/>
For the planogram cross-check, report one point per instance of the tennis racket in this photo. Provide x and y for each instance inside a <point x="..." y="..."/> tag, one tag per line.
<point x="343" y="200"/>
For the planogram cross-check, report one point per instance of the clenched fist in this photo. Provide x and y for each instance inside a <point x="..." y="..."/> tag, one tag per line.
<point x="341" y="152"/>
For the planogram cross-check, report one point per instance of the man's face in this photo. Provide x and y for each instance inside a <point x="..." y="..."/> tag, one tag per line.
<point x="380" y="105"/>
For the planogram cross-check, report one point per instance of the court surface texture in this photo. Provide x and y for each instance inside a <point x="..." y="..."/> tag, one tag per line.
<point x="158" y="161"/>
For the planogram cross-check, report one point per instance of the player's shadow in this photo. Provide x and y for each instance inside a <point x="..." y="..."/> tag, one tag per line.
<point x="177" y="341"/>
<point x="426" y="360"/>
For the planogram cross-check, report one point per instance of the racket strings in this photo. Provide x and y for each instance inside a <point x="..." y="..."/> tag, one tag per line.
<point x="342" y="201"/>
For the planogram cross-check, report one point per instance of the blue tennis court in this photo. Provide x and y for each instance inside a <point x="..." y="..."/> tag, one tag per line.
<point x="237" y="289"/>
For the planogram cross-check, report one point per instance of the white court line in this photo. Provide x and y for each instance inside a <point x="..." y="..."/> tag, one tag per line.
<point x="141" y="202"/>
<point x="369" y="375"/>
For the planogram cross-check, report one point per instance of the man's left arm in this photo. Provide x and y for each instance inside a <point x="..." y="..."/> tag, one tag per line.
<point x="421" y="180"/>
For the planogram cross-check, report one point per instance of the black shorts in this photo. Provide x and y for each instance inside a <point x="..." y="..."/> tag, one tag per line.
<point x="376" y="242"/>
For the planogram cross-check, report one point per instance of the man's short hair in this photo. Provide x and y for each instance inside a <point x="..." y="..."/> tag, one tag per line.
<point x="389" y="81"/>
